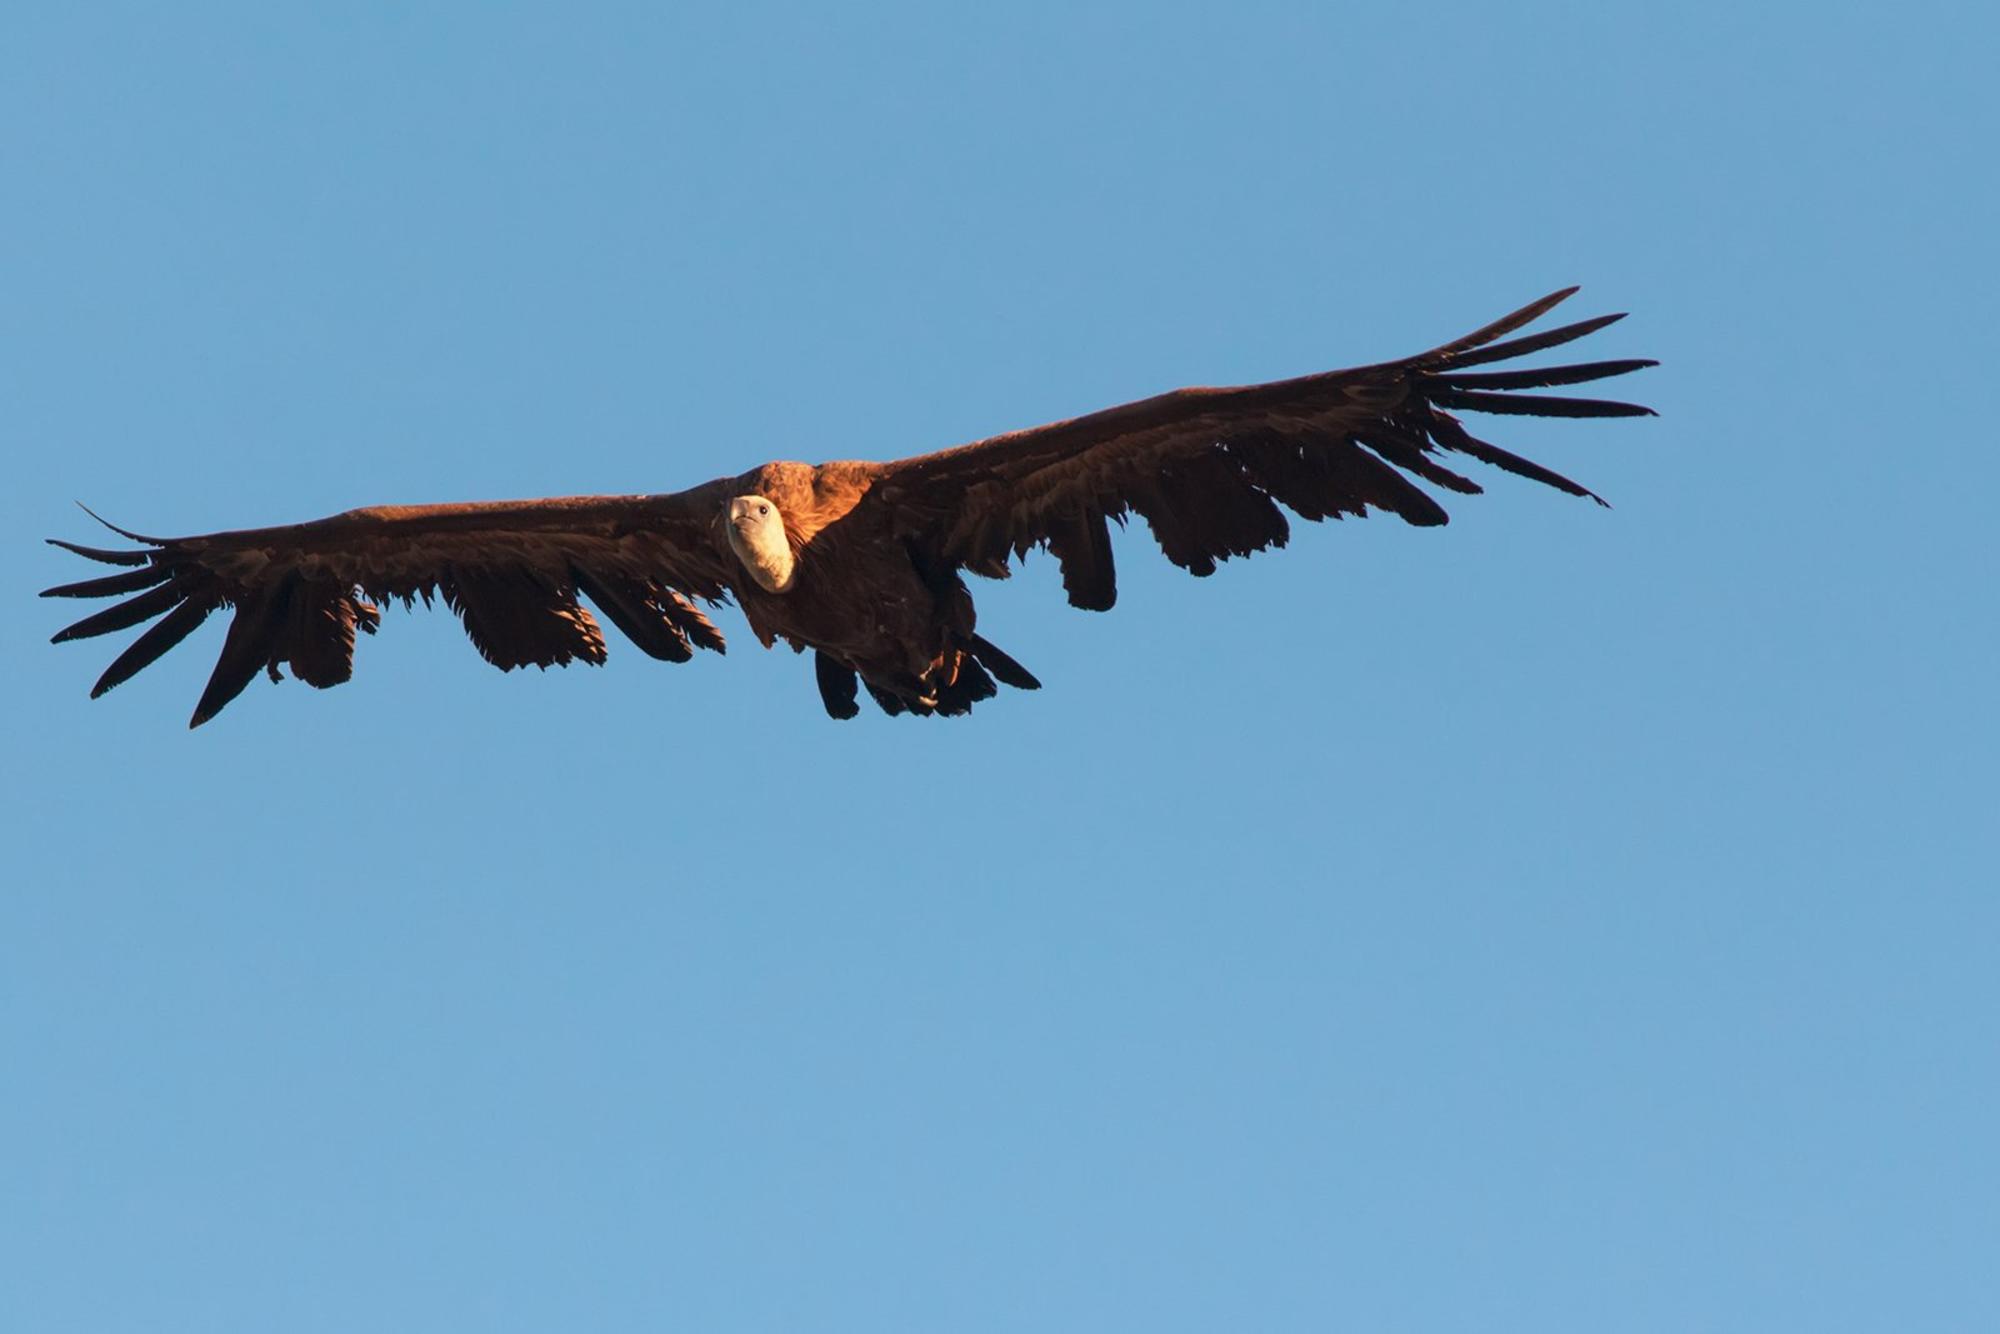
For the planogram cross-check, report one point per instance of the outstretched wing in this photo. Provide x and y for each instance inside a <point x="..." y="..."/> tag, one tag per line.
<point x="512" y="571"/>
<point x="1208" y="468"/>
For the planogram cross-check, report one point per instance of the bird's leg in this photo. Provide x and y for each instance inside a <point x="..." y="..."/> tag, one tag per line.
<point x="939" y="676"/>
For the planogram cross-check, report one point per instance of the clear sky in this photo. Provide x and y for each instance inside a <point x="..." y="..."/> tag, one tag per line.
<point x="1568" y="919"/>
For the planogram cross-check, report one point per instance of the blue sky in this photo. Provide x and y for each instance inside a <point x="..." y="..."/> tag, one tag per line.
<point x="1566" y="919"/>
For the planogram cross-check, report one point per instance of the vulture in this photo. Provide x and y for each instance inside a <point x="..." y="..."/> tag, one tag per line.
<point x="864" y="563"/>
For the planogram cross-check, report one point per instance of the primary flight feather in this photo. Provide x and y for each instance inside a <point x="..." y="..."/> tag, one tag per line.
<point x="862" y="562"/>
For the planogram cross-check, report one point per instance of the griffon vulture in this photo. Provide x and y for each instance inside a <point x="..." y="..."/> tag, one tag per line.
<point x="863" y="562"/>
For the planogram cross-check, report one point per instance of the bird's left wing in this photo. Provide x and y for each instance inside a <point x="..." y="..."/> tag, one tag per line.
<point x="512" y="570"/>
<point x="1208" y="468"/>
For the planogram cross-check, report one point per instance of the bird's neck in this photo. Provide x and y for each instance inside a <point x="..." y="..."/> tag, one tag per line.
<point x="768" y="557"/>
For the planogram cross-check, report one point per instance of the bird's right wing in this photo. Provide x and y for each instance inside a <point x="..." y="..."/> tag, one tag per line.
<point x="512" y="570"/>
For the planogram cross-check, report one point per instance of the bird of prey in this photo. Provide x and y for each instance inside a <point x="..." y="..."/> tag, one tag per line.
<point x="861" y="562"/>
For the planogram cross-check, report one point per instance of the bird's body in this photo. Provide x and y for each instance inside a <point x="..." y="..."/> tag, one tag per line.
<point x="862" y="562"/>
<point x="856" y="594"/>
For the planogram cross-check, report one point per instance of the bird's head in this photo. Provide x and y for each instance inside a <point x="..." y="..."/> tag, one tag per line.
<point x="757" y="536"/>
<point x="749" y="513"/>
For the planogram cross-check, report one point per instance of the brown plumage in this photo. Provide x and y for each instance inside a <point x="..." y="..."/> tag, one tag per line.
<point x="862" y="562"/>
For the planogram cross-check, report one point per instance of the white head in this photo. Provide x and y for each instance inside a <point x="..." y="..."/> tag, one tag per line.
<point x="757" y="536"/>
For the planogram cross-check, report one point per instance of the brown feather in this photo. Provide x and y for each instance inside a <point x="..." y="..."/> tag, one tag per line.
<point x="1521" y="347"/>
<point x="990" y="567"/>
<point x="689" y="620"/>
<point x="253" y="631"/>
<point x="1450" y="435"/>
<point x="1002" y="666"/>
<point x="1545" y="376"/>
<point x="112" y="585"/>
<point x="122" y="616"/>
<point x="1506" y="324"/>
<point x="318" y="640"/>
<point x="1081" y="543"/>
<point x="100" y="554"/>
<point x="1297" y="474"/>
<point x="1536" y="405"/>
<point x="837" y="685"/>
<point x="1171" y="529"/>
<point x="969" y="685"/>
<point x="514" y="620"/>
<point x="162" y="635"/>
<point x="887" y="700"/>
<point x="631" y="609"/>
<point x="1387" y="489"/>
<point x="1406" y="453"/>
<point x="1234" y="515"/>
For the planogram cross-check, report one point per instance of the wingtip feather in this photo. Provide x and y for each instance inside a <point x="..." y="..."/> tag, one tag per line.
<point x="122" y="532"/>
<point x="1501" y="327"/>
<point x="101" y="555"/>
<point x="132" y="581"/>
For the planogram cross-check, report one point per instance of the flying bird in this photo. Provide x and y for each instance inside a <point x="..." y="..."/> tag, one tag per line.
<point x="861" y="562"/>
